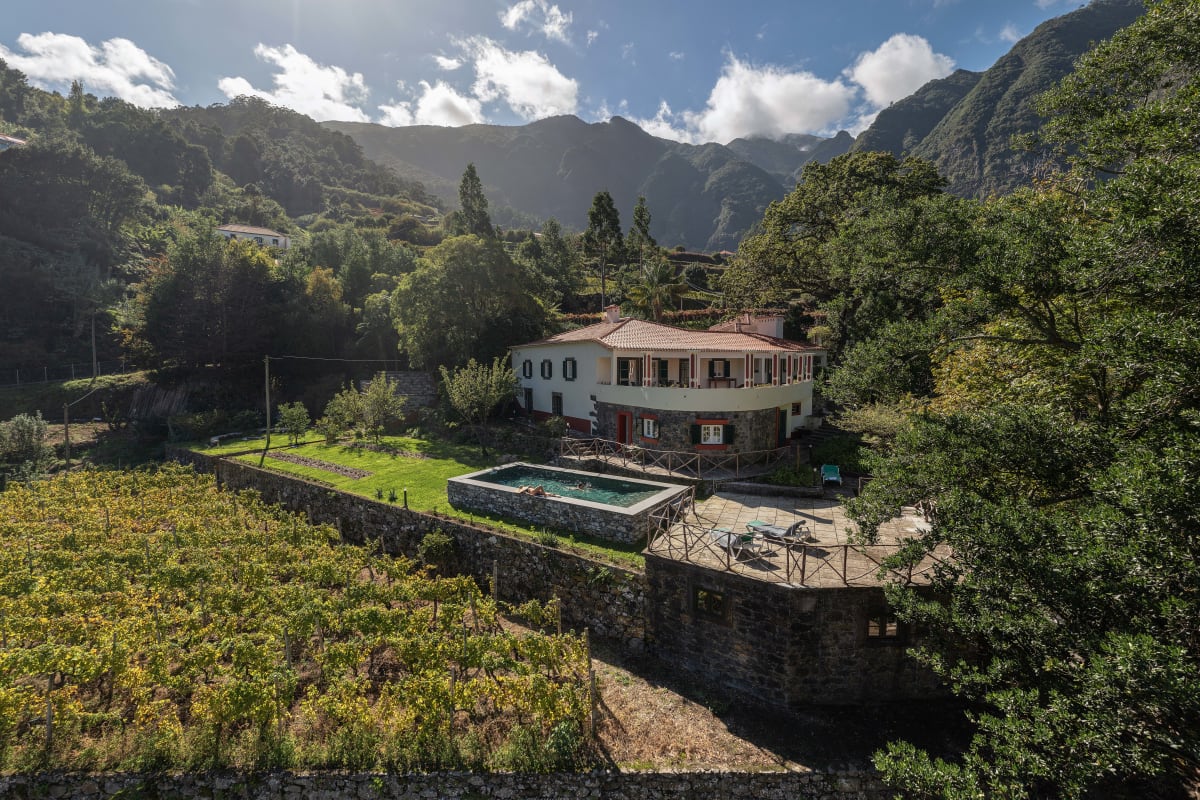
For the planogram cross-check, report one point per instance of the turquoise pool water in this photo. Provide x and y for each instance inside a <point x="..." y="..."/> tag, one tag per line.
<point x="610" y="491"/>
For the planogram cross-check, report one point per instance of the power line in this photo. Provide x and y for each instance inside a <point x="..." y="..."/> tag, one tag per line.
<point x="343" y="360"/>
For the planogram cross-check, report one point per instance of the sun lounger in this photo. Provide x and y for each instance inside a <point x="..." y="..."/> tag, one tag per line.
<point x="831" y="473"/>
<point x="796" y="532"/>
<point x="736" y="543"/>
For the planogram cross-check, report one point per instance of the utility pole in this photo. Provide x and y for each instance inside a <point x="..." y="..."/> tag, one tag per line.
<point x="267" y="373"/>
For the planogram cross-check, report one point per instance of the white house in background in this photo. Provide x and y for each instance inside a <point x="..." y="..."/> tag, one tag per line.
<point x="739" y="386"/>
<point x="263" y="236"/>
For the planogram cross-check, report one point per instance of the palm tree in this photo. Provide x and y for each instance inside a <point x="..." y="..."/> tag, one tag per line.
<point x="656" y="288"/>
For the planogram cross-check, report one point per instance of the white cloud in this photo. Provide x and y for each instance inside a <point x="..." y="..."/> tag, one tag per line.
<point x="1009" y="33"/>
<point x="448" y="64"/>
<point x="767" y="101"/>
<point x="303" y="85"/>
<point x="531" y="86"/>
<point x="897" y="68"/>
<point x="117" y="67"/>
<point x="592" y="36"/>
<point x="438" y="104"/>
<point x="1051" y="3"/>
<point x="552" y="21"/>
<point x="664" y="124"/>
<point x="675" y="55"/>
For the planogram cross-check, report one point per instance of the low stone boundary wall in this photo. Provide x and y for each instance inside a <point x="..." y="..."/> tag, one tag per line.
<point x="848" y="785"/>
<point x="771" y="490"/>
<point x="607" y="599"/>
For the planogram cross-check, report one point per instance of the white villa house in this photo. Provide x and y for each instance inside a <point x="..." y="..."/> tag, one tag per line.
<point x="738" y="386"/>
<point x="263" y="236"/>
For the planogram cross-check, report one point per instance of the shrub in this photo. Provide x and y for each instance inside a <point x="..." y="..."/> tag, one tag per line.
<point x="845" y="451"/>
<point x="437" y="550"/>
<point x="23" y="442"/>
<point x="792" y="476"/>
<point x="293" y="420"/>
<point x="201" y="425"/>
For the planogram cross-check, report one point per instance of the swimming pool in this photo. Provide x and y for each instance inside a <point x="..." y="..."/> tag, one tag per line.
<point x="573" y="500"/>
<point x="574" y="483"/>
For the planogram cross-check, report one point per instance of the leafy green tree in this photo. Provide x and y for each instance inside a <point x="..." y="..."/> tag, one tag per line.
<point x="603" y="239"/>
<point x="1065" y="611"/>
<point x="475" y="390"/>
<point x="657" y="288"/>
<point x="792" y="250"/>
<point x="342" y="413"/>
<point x="640" y="244"/>
<point x="294" y="421"/>
<point x="381" y="405"/>
<point x="472" y="217"/>
<point x="553" y="263"/>
<point x="211" y="301"/>
<point x="466" y="298"/>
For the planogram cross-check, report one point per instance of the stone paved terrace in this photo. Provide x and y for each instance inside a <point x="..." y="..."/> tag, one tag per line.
<point x="825" y="557"/>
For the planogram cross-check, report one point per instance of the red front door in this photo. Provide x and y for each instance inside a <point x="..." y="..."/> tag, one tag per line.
<point x="624" y="427"/>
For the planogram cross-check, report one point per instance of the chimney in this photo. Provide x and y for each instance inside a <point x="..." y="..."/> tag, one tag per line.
<point x="771" y="325"/>
<point x="612" y="313"/>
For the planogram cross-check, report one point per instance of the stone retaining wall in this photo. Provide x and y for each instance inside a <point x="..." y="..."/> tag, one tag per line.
<point x="847" y="785"/>
<point x="778" y="644"/>
<point x="609" y="600"/>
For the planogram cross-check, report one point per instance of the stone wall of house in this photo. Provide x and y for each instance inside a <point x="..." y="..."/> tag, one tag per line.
<point x="840" y="785"/>
<point x="754" y="430"/>
<point x="609" y="600"/>
<point x="776" y="643"/>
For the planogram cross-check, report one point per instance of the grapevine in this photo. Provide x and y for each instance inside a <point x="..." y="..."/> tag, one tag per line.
<point x="148" y="619"/>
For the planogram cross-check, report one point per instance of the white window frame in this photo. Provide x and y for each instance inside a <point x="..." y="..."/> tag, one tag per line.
<point x="649" y="428"/>
<point x="712" y="434"/>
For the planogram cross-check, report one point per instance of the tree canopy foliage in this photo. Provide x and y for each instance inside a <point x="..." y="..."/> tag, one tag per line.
<point x="1059" y="448"/>
<point x="466" y="298"/>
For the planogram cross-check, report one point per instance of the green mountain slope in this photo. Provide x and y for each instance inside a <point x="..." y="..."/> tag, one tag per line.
<point x="971" y="141"/>
<point x="903" y="125"/>
<point x="702" y="196"/>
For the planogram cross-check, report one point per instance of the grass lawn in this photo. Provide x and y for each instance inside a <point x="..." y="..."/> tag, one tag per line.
<point x="419" y="466"/>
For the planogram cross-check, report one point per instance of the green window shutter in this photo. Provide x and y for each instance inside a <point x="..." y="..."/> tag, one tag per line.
<point x="727" y="435"/>
<point x="695" y="434"/>
<point x="662" y="372"/>
<point x="623" y="370"/>
<point x="712" y="368"/>
<point x="727" y="372"/>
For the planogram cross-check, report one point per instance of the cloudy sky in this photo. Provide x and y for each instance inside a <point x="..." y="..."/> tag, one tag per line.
<point x="694" y="71"/>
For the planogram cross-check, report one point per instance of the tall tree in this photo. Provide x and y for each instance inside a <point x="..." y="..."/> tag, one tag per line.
<point x="553" y="263"/>
<point x="1066" y="609"/>
<point x="466" y="298"/>
<point x="640" y="244"/>
<point x="475" y="390"/>
<point x="473" y="218"/>
<point x="602" y="239"/>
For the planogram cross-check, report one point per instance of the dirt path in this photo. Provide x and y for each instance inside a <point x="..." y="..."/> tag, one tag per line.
<point x="652" y="719"/>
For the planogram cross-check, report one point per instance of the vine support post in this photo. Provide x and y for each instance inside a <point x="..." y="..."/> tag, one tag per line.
<point x="67" y="434"/>
<point x="267" y="377"/>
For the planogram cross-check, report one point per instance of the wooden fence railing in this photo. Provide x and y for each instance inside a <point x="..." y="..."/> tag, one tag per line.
<point x="799" y="563"/>
<point x="694" y="464"/>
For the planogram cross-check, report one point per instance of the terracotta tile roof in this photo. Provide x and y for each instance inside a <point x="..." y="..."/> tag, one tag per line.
<point x="251" y="230"/>
<point x="637" y="334"/>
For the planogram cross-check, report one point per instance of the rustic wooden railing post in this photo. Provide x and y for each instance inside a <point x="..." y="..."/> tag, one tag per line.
<point x="845" y="561"/>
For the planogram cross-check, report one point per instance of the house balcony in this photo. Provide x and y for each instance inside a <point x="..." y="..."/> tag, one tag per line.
<point x="715" y="398"/>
